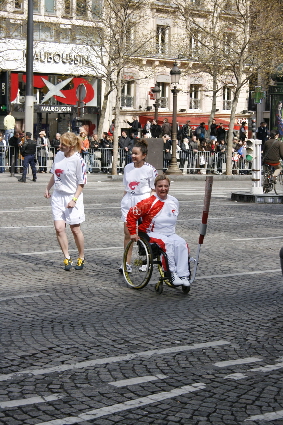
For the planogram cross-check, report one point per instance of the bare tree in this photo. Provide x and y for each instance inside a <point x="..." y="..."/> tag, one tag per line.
<point x="235" y="40"/>
<point x="120" y="42"/>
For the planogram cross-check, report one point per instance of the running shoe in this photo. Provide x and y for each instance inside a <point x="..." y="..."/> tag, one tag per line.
<point x="129" y="268"/>
<point x="143" y="268"/>
<point x="176" y="280"/>
<point x="185" y="281"/>
<point x="80" y="264"/>
<point x="68" y="263"/>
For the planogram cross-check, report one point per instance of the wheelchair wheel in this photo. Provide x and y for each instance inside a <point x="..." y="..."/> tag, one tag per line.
<point x="159" y="287"/>
<point x="162" y="272"/>
<point x="141" y="264"/>
<point x="186" y="289"/>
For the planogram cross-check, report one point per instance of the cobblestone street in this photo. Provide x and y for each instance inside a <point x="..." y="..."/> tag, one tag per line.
<point x="82" y="347"/>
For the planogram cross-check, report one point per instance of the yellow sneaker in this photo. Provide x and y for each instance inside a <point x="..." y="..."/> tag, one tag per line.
<point x="68" y="263"/>
<point x="80" y="264"/>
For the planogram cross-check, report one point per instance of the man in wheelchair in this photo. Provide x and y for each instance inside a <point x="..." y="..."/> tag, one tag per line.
<point x="159" y="215"/>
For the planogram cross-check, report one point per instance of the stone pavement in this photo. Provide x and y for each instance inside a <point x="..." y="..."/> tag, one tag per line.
<point x="82" y="347"/>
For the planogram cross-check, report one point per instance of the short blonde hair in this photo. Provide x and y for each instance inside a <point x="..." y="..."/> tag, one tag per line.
<point x="161" y="177"/>
<point x="71" y="140"/>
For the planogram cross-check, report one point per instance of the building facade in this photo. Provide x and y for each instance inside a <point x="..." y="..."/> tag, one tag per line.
<point x="67" y="73"/>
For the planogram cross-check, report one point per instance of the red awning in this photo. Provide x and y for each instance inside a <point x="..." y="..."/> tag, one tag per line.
<point x="195" y="120"/>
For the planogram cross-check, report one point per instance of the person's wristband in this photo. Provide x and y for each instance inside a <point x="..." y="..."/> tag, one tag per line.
<point x="74" y="199"/>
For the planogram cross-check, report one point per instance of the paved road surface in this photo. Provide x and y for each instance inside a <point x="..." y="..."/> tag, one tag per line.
<point x="82" y="347"/>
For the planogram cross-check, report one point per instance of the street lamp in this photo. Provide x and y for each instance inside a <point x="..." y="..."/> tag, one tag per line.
<point x="175" y="78"/>
<point x="156" y="93"/>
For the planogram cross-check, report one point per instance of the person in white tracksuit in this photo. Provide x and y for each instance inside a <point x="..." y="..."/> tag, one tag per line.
<point x="138" y="181"/>
<point x="159" y="215"/>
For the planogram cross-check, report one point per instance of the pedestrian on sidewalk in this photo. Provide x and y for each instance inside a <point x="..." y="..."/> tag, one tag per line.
<point x="28" y="151"/>
<point x="68" y="179"/>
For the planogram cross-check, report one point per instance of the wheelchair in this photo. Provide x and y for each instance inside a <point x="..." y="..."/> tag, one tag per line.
<point x="144" y="256"/>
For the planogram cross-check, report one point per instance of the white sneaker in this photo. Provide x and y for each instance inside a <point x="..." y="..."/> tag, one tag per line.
<point x="143" y="268"/>
<point x="176" y="280"/>
<point x="129" y="268"/>
<point x="185" y="281"/>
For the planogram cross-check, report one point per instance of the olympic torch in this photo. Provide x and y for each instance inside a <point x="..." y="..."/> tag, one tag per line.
<point x="203" y="226"/>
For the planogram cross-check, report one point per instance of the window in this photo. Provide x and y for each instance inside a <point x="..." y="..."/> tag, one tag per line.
<point x="50" y="7"/>
<point x="16" y="29"/>
<point x="67" y="7"/>
<point x="228" y="42"/>
<point x="18" y="4"/>
<point x="43" y="32"/>
<point x="2" y="29"/>
<point x="81" y="8"/>
<point x="35" y="6"/>
<point x="81" y="35"/>
<point x="227" y="98"/>
<point x="127" y="94"/>
<point x="96" y="7"/>
<point x="65" y="35"/>
<point x="162" y="39"/>
<point x="3" y="4"/>
<point x="194" y="44"/>
<point x="195" y="91"/>
<point x="164" y="91"/>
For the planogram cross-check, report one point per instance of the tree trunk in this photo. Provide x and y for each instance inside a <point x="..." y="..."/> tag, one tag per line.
<point x="231" y="132"/>
<point x="103" y="110"/>
<point x="117" y="124"/>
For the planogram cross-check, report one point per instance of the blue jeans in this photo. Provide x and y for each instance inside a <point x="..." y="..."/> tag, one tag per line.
<point x="2" y="162"/>
<point x="8" y="135"/>
<point x="29" y="160"/>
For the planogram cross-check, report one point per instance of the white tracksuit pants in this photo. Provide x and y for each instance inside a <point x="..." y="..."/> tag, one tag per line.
<point x="176" y="249"/>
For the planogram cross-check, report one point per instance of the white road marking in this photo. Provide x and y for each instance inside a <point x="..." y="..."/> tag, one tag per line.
<point x="271" y="416"/>
<point x="246" y="360"/>
<point x="131" y="404"/>
<point x="268" y="368"/>
<point x="238" y="274"/>
<point x="235" y="376"/>
<point x="108" y="360"/>
<point x="32" y="400"/>
<point x="38" y="294"/>
<point x="256" y="239"/>
<point x="137" y="380"/>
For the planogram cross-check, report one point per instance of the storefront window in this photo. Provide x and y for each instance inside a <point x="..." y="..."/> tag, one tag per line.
<point x="43" y="32"/>
<point x="15" y="30"/>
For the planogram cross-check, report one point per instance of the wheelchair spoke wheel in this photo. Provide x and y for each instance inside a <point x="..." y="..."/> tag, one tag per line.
<point x="162" y="272"/>
<point x="141" y="264"/>
<point x="159" y="287"/>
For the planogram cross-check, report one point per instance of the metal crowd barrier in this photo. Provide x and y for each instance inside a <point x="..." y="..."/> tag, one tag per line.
<point x="100" y="160"/>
